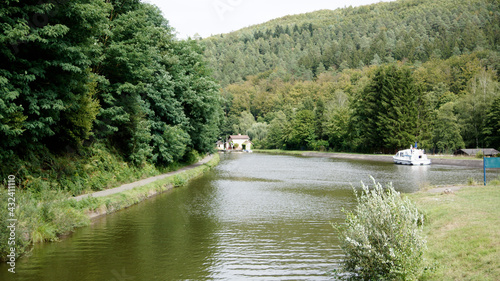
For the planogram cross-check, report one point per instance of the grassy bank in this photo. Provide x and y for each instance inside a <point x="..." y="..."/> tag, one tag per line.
<point x="463" y="233"/>
<point x="280" y="151"/>
<point x="44" y="212"/>
<point x="301" y="152"/>
<point x="95" y="206"/>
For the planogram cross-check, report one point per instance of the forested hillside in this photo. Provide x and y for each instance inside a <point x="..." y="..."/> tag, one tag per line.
<point x="81" y="74"/>
<point x="373" y="78"/>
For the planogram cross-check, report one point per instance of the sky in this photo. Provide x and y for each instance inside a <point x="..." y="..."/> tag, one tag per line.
<point x="211" y="17"/>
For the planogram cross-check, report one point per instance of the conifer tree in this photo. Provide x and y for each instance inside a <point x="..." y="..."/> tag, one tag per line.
<point x="492" y="125"/>
<point x="388" y="111"/>
<point x="446" y="132"/>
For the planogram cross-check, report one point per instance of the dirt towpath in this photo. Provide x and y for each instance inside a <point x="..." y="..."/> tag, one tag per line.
<point x="143" y="182"/>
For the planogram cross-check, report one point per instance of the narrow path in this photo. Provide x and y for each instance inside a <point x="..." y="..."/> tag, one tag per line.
<point x="143" y="182"/>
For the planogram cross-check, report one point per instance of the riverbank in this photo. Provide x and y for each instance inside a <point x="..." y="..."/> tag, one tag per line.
<point x="111" y="200"/>
<point x="462" y="223"/>
<point x="48" y="213"/>
<point x="437" y="160"/>
<point x="463" y="232"/>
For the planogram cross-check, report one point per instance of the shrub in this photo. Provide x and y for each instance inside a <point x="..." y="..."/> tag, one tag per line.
<point x="480" y="154"/>
<point x="319" y="145"/>
<point x="192" y="156"/>
<point x="471" y="181"/>
<point x="382" y="238"/>
<point x="179" y="180"/>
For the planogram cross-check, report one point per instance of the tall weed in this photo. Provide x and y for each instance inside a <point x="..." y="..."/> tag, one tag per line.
<point x="382" y="239"/>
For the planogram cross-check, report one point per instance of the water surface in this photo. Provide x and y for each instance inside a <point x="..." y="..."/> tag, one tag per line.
<point x="254" y="217"/>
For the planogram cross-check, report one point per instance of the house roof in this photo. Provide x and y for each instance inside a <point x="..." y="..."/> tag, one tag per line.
<point x="474" y="151"/>
<point x="239" y="137"/>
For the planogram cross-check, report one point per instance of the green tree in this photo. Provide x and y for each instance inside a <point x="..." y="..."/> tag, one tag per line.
<point x="446" y="131"/>
<point x="398" y="122"/>
<point x="336" y="125"/>
<point x="47" y="98"/>
<point x="172" y="145"/>
<point x="492" y="125"/>
<point x="389" y="111"/>
<point x="257" y="133"/>
<point x="199" y="95"/>
<point x="153" y="86"/>
<point x="277" y="136"/>
<point x="88" y="72"/>
<point x="129" y="63"/>
<point x="302" y="130"/>
<point x="245" y="122"/>
<point x="472" y="107"/>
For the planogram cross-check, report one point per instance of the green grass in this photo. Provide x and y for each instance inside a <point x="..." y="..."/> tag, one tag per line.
<point x="463" y="233"/>
<point x="112" y="203"/>
<point x="458" y="157"/>
<point x="281" y="151"/>
<point x="300" y="152"/>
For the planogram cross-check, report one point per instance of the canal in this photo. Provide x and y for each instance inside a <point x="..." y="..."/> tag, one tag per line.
<point x="254" y="217"/>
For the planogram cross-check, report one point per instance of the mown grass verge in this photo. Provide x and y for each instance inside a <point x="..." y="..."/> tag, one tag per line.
<point x="44" y="212"/>
<point x="300" y="152"/>
<point x="463" y="233"/>
<point x="281" y="151"/>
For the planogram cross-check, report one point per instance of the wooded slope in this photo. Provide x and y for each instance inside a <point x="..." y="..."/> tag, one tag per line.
<point x="373" y="78"/>
<point x="406" y="30"/>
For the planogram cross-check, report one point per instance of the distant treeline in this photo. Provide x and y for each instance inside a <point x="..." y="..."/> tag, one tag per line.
<point x="305" y="45"/>
<point x="74" y="73"/>
<point x="374" y="78"/>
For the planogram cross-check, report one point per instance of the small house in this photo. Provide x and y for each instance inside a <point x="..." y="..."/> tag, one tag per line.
<point x="239" y="142"/>
<point x="475" y="151"/>
<point x="220" y="145"/>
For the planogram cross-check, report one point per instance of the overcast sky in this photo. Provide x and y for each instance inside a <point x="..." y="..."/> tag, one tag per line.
<point x="211" y="17"/>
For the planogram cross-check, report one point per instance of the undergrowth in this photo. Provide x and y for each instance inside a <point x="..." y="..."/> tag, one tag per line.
<point x="44" y="210"/>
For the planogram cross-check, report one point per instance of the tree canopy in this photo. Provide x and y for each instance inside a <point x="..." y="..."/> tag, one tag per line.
<point x="374" y="78"/>
<point x="78" y="72"/>
<point x="303" y="46"/>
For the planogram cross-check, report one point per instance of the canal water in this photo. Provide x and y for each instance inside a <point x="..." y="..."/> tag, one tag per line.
<point x="254" y="217"/>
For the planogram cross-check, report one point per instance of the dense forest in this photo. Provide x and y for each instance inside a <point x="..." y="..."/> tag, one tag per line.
<point x="94" y="94"/>
<point x="81" y="74"/>
<point x="371" y="79"/>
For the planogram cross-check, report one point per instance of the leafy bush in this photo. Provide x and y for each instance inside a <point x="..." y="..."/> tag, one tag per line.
<point x="192" y="156"/>
<point x="382" y="238"/>
<point x="179" y="180"/>
<point x="319" y="145"/>
<point x="480" y="154"/>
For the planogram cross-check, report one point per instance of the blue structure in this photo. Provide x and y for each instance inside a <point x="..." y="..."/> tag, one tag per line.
<point x="490" y="163"/>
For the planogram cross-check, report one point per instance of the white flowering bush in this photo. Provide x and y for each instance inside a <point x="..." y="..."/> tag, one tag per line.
<point x="382" y="239"/>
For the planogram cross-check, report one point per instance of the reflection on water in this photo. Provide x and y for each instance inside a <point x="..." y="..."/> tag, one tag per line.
<point x="254" y="217"/>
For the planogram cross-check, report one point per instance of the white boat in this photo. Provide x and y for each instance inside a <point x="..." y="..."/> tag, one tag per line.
<point x="411" y="156"/>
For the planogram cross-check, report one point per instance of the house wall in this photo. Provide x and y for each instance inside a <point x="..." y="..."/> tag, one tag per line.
<point x="240" y="144"/>
<point x="248" y="146"/>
